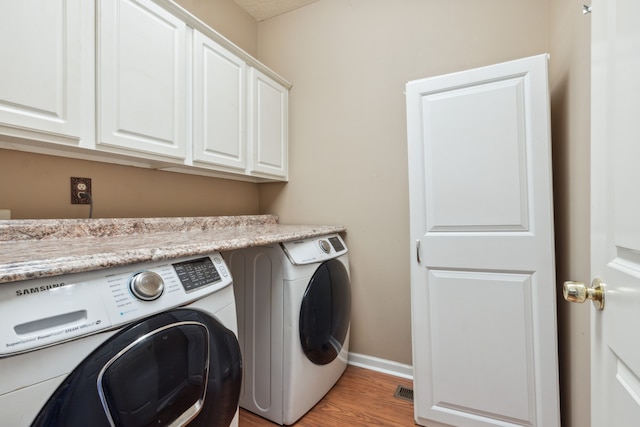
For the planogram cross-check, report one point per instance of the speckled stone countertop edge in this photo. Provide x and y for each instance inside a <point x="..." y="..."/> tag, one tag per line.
<point x="42" y="229"/>
<point x="67" y="253"/>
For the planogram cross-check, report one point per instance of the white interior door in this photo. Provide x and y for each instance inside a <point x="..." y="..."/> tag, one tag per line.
<point x="482" y="268"/>
<point x="615" y="238"/>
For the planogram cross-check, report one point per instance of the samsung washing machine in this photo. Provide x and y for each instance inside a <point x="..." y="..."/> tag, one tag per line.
<point x="150" y="344"/>
<point x="293" y="302"/>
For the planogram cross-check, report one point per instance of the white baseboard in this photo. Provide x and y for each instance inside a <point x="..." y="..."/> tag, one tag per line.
<point x="381" y="365"/>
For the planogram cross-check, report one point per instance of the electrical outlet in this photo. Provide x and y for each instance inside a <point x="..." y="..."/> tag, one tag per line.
<point x="80" y="191"/>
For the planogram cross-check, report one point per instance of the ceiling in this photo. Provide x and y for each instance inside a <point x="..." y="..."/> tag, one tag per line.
<point x="265" y="9"/>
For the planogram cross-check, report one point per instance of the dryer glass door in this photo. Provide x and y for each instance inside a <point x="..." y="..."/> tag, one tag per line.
<point x="325" y="313"/>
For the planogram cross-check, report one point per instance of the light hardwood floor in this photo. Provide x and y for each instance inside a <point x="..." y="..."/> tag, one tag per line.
<point x="361" y="398"/>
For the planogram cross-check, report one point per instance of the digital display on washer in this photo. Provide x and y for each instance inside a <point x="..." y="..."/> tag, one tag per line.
<point x="196" y="273"/>
<point x="337" y="245"/>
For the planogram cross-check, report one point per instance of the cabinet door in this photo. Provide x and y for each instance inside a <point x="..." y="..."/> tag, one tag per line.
<point x="268" y="126"/>
<point x="219" y="105"/>
<point x="41" y="71"/>
<point x="142" y="78"/>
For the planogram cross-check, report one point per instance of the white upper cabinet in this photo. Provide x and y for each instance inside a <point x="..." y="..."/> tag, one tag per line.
<point x="42" y="72"/>
<point x="268" y="126"/>
<point x="219" y="111"/>
<point x="138" y="82"/>
<point x="142" y="83"/>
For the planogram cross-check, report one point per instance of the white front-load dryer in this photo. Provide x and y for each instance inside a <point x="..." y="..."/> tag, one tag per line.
<point x="144" y="344"/>
<point x="293" y="303"/>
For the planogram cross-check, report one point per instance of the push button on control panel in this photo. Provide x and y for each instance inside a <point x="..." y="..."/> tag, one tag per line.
<point x="220" y="266"/>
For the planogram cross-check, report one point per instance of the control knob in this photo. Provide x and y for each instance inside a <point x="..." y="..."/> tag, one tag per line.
<point x="324" y="245"/>
<point x="146" y="285"/>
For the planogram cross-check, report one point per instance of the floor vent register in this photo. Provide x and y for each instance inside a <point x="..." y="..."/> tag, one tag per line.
<point x="404" y="393"/>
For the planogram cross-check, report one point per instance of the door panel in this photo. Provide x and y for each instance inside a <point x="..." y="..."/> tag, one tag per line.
<point x="464" y="194"/>
<point x="464" y="306"/>
<point x="483" y="271"/>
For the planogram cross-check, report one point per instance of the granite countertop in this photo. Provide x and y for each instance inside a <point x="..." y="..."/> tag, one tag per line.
<point x="31" y="249"/>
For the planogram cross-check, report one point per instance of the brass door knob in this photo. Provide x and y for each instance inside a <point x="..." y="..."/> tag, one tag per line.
<point x="578" y="292"/>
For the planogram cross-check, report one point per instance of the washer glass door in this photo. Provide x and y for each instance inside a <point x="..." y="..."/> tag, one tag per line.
<point x="325" y="313"/>
<point x="171" y="367"/>
<point x="175" y="368"/>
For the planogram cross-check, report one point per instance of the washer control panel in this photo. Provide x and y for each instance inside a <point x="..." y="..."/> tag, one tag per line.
<point x="314" y="249"/>
<point x="43" y="312"/>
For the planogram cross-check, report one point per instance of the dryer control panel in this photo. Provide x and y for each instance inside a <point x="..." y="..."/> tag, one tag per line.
<point x="314" y="249"/>
<point x="44" y="312"/>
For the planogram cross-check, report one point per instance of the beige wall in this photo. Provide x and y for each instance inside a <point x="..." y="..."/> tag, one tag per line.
<point x="227" y="18"/>
<point x="570" y="96"/>
<point x="38" y="186"/>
